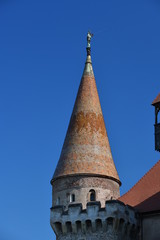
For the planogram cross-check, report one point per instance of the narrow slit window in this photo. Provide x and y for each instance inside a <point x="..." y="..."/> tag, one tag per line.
<point x="72" y="198"/>
<point x="58" y="201"/>
<point x="92" y="195"/>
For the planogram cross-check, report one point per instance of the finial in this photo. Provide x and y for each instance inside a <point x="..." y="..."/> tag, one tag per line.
<point x="89" y="36"/>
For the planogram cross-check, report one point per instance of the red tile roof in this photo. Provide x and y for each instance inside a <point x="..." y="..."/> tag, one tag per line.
<point x="145" y="191"/>
<point x="156" y="100"/>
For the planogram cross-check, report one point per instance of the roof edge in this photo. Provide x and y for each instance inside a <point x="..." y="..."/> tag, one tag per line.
<point x="86" y="174"/>
<point x="155" y="212"/>
<point x="144" y="176"/>
<point x="156" y="101"/>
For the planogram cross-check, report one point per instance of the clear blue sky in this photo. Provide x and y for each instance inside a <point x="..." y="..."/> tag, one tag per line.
<point x="42" y="56"/>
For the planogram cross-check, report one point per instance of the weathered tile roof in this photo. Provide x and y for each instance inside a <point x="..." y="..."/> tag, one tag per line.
<point x="156" y="100"/>
<point x="86" y="148"/>
<point x="145" y="192"/>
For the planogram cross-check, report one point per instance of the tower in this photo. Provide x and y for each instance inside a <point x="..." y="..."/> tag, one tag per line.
<point x="156" y="104"/>
<point x="85" y="184"/>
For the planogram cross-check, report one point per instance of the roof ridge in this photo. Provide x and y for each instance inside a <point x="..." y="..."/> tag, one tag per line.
<point x="144" y="176"/>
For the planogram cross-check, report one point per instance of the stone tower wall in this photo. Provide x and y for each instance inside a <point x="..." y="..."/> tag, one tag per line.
<point x="80" y="186"/>
<point x="114" y="222"/>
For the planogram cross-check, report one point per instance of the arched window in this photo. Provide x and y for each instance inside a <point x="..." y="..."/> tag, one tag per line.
<point x="92" y="195"/>
<point x="72" y="197"/>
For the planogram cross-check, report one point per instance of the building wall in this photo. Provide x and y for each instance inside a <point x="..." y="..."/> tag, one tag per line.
<point x="151" y="227"/>
<point x="80" y="186"/>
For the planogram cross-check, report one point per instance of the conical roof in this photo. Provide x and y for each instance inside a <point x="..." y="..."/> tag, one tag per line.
<point x="156" y="100"/>
<point x="86" y="148"/>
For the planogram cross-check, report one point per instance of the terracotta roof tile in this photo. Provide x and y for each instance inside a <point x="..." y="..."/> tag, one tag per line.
<point x="143" y="191"/>
<point x="86" y="148"/>
<point x="156" y="100"/>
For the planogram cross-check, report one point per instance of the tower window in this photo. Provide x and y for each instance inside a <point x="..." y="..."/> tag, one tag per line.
<point x="72" y="198"/>
<point x="58" y="201"/>
<point x="92" y="195"/>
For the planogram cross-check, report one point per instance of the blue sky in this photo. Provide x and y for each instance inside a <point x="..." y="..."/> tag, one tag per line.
<point x="42" y="56"/>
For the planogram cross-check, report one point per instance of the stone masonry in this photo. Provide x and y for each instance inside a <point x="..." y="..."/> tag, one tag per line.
<point x="114" y="222"/>
<point x="80" y="186"/>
